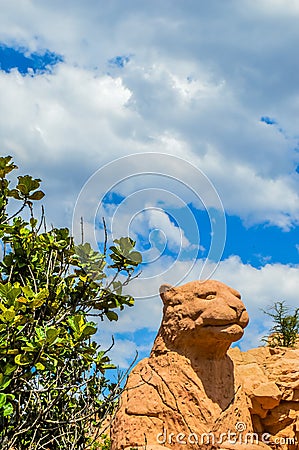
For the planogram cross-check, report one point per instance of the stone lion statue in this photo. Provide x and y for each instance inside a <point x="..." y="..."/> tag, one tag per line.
<point x="187" y="392"/>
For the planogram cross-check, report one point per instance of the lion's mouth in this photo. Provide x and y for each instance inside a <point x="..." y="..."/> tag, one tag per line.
<point x="239" y="321"/>
<point x="222" y="325"/>
<point x="229" y="328"/>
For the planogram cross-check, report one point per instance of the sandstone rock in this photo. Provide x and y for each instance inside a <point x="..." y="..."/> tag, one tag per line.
<point x="257" y="424"/>
<point x="259" y="446"/>
<point x="188" y="391"/>
<point x="260" y="355"/>
<point x="252" y="376"/>
<point x="285" y="370"/>
<point x="262" y="394"/>
<point x="267" y="395"/>
<point x="256" y="408"/>
<point x="283" y="415"/>
<point x="194" y="388"/>
<point x="241" y="358"/>
<point x="275" y="409"/>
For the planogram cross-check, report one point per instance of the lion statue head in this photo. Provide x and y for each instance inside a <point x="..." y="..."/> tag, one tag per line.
<point x="203" y="317"/>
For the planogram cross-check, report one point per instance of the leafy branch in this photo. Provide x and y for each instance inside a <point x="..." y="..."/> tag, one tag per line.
<point x="53" y="389"/>
<point x="284" y="332"/>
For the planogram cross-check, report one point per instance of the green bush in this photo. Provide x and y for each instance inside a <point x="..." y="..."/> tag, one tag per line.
<point x="284" y="332"/>
<point x="53" y="390"/>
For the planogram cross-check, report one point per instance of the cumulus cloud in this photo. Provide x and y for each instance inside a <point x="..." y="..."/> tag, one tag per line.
<point x="196" y="80"/>
<point x="201" y="99"/>
<point x="259" y="288"/>
<point x="57" y="126"/>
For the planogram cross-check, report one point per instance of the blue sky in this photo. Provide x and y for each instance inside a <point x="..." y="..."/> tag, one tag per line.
<point x="25" y="62"/>
<point x="212" y="90"/>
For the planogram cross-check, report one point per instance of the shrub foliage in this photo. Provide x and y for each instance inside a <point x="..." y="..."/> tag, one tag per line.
<point x="53" y="389"/>
<point x="284" y="332"/>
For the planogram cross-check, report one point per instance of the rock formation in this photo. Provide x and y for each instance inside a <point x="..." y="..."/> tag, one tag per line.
<point x="189" y="392"/>
<point x="271" y="381"/>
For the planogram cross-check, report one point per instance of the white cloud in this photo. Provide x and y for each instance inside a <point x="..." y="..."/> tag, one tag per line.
<point x="176" y="238"/>
<point x="279" y="7"/>
<point x="151" y="223"/>
<point x="200" y="77"/>
<point x="259" y="288"/>
<point x="73" y="121"/>
<point x="254" y="197"/>
<point x="61" y="127"/>
<point x="61" y="111"/>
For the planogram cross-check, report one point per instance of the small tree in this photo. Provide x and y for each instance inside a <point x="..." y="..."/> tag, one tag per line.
<point x="53" y="389"/>
<point x="285" y="331"/>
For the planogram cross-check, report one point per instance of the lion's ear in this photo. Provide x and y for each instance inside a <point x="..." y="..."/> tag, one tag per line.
<point x="164" y="288"/>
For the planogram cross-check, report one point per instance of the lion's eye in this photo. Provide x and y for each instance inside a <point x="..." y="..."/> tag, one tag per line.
<point x="207" y="295"/>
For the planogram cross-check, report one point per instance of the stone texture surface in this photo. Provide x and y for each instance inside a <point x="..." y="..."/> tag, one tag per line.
<point x="188" y="392"/>
<point x="196" y="391"/>
<point x="271" y="382"/>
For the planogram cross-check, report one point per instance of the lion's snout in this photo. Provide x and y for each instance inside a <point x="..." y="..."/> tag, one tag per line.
<point x="244" y="319"/>
<point x="241" y="314"/>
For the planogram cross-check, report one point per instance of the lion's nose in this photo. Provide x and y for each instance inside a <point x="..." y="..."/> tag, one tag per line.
<point x="237" y="306"/>
<point x="241" y="313"/>
<point x="244" y="319"/>
<point x="238" y="310"/>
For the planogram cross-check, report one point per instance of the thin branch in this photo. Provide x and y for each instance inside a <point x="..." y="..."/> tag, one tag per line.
<point x="106" y="235"/>
<point x="15" y="214"/>
<point x="42" y="219"/>
<point x="82" y="230"/>
<point x="33" y="277"/>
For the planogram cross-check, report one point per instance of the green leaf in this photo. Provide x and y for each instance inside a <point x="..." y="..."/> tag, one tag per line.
<point x="40" y="333"/>
<point x="88" y="330"/>
<point x="29" y="347"/>
<point x="5" y="382"/>
<point x="83" y="278"/>
<point x="117" y="287"/>
<point x="27" y="291"/>
<point x="123" y="254"/>
<point x="37" y="195"/>
<point x="27" y="184"/>
<point x="2" y="399"/>
<point x="51" y="335"/>
<point x="77" y="322"/>
<point x="126" y="244"/>
<point x="9" y="368"/>
<point x="22" y="360"/>
<point x="6" y="166"/>
<point x="39" y="298"/>
<point x="9" y="315"/>
<point x="111" y="315"/>
<point x="130" y="301"/>
<point x="8" y="410"/>
<point x="9" y="292"/>
<point x="39" y="366"/>
<point x="136" y="257"/>
<point x="33" y="222"/>
<point x="15" y="194"/>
